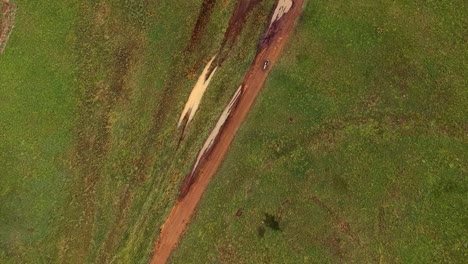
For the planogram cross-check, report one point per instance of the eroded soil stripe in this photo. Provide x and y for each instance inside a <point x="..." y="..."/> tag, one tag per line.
<point x="7" y="22"/>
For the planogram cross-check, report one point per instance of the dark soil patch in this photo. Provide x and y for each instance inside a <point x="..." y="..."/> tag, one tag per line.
<point x="338" y="221"/>
<point x="334" y="244"/>
<point x="236" y="22"/>
<point x="239" y="213"/>
<point x="235" y="25"/>
<point x="200" y="26"/>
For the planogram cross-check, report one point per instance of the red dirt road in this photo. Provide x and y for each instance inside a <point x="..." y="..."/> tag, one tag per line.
<point x="181" y="213"/>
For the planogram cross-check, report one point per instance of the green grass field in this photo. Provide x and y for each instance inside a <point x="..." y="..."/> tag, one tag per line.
<point x="357" y="146"/>
<point x="36" y="109"/>
<point x="90" y="96"/>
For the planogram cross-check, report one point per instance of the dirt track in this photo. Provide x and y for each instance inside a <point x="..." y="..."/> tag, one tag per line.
<point x="183" y="210"/>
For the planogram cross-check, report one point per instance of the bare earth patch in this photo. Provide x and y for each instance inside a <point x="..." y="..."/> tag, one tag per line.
<point x="196" y="95"/>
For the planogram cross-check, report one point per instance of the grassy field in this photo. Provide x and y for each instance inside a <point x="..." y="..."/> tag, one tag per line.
<point x="357" y="148"/>
<point x="90" y="96"/>
<point x="36" y="109"/>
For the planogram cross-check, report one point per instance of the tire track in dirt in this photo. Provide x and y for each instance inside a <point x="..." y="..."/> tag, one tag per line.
<point x="204" y="16"/>
<point x="180" y="215"/>
<point x="207" y="146"/>
<point x="237" y="20"/>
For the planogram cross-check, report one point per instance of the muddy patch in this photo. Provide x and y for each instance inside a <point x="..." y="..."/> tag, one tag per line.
<point x="196" y="95"/>
<point x="7" y="22"/>
<point x="281" y="9"/>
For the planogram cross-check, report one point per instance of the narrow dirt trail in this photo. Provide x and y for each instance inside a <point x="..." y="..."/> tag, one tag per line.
<point x="180" y="215"/>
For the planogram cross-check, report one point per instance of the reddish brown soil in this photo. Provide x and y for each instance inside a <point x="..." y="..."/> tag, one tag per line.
<point x="181" y="213"/>
<point x="6" y="22"/>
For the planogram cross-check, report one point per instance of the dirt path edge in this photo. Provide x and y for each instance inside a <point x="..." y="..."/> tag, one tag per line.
<point x="180" y="215"/>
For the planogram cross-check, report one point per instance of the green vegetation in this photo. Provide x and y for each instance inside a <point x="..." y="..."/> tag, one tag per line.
<point x="36" y="84"/>
<point x="91" y="93"/>
<point x="357" y="146"/>
<point x="355" y="152"/>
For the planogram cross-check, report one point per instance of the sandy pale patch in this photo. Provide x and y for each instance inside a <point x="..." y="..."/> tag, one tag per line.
<point x="214" y="133"/>
<point x="196" y="95"/>
<point x="282" y="8"/>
